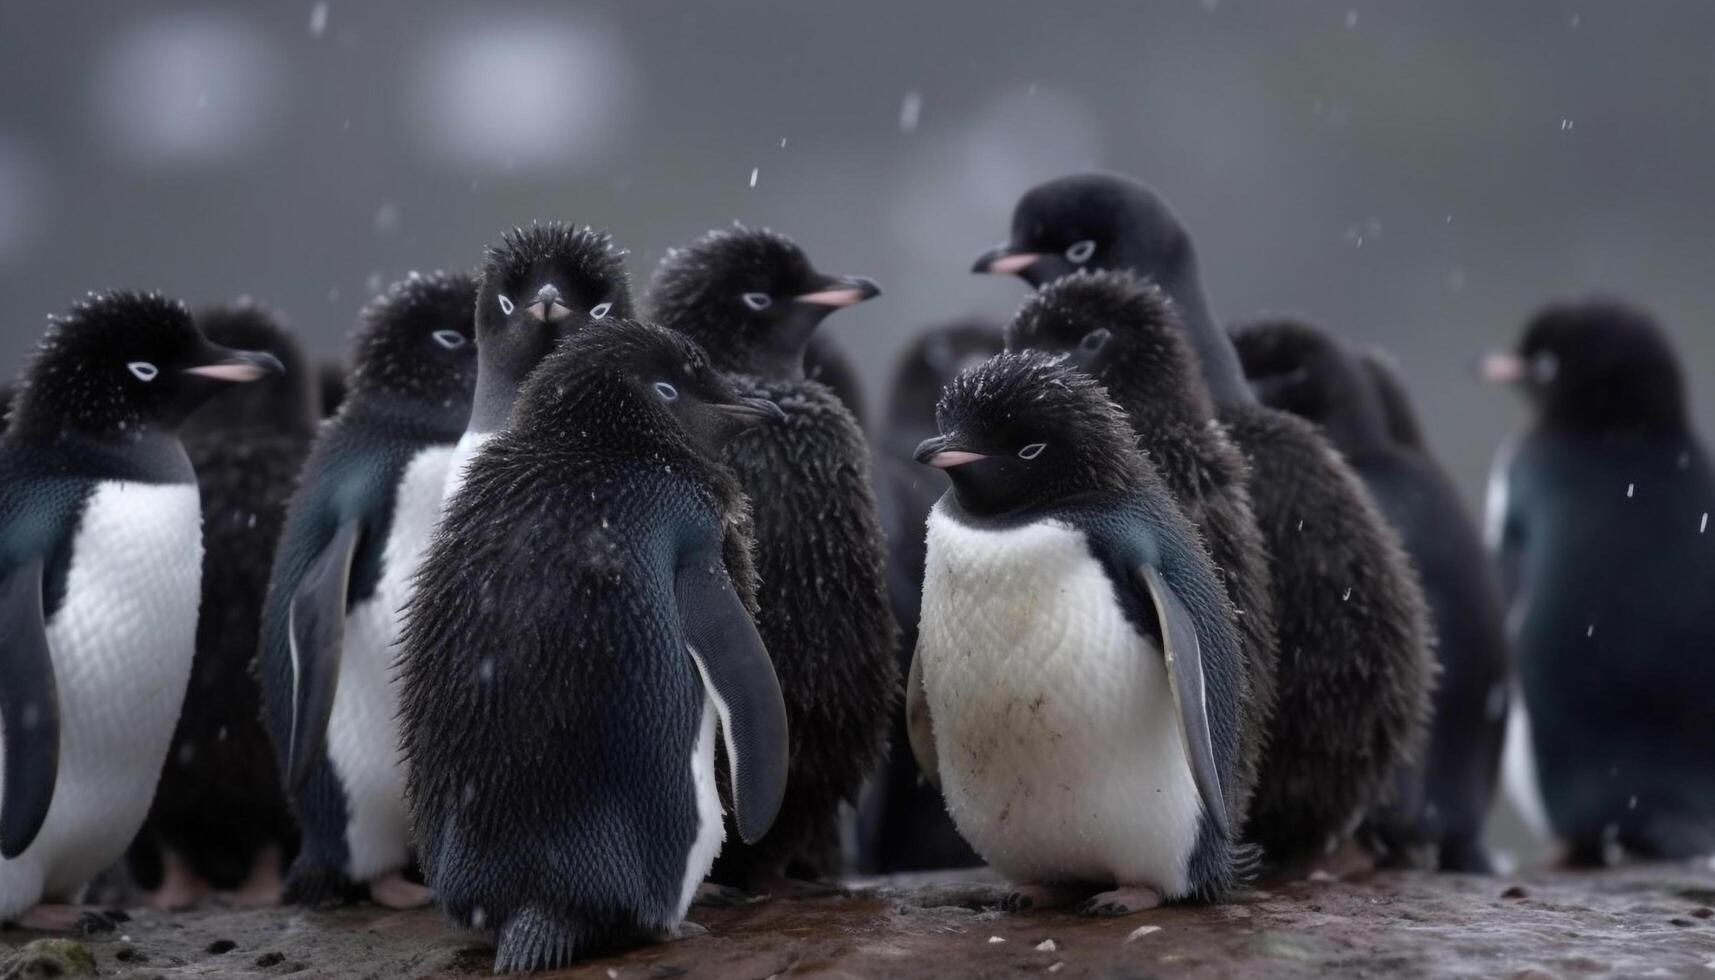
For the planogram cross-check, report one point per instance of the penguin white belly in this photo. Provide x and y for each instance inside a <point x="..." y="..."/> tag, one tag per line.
<point x="122" y="642"/>
<point x="711" y="829"/>
<point x="363" y="733"/>
<point x="1060" y="751"/>
<point x="468" y="446"/>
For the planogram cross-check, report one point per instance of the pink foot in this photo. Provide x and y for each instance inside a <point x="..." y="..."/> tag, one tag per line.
<point x="394" y="892"/>
<point x="1121" y="901"/>
<point x="262" y="888"/>
<point x="181" y="887"/>
<point x="65" y="918"/>
<point x="1027" y="898"/>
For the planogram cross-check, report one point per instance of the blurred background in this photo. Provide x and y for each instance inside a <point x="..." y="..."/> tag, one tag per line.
<point x="1419" y="176"/>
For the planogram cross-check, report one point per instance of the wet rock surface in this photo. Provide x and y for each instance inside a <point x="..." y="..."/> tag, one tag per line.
<point x="1635" y="921"/>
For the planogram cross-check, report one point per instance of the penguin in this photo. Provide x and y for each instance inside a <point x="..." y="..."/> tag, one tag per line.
<point x="100" y="567"/>
<point x="538" y="285"/>
<point x="1078" y="683"/>
<point x="752" y="299"/>
<point x="366" y="504"/>
<point x="1403" y="425"/>
<point x="220" y="820"/>
<point x="1299" y="368"/>
<point x="1353" y="632"/>
<point x="1600" y="513"/>
<point x="8" y="394"/>
<point x="584" y="619"/>
<point x="902" y="823"/>
<point x="826" y="361"/>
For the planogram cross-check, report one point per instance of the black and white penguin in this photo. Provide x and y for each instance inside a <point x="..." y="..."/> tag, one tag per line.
<point x="1356" y="665"/>
<point x="902" y="823"/>
<point x="1445" y="801"/>
<point x="220" y="820"/>
<point x="538" y="285"/>
<point x="1600" y="514"/>
<point x="100" y="568"/>
<point x="752" y="299"/>
<point x="581" y="628"/>
<point x="1078" y="681"/>
<point x="366" y="505"/>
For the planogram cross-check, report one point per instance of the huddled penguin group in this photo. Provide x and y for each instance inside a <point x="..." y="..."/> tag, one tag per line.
<point x="567" y="611"/>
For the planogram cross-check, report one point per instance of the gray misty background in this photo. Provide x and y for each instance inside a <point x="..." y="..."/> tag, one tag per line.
<point x="1415" y="175"/>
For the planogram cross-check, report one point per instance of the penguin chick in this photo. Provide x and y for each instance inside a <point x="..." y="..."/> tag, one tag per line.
<point x="583" y="615"/>
<point x="826" y="361"/>
<point x="1444" y="803"/>
<point x="366" y="503"/>
<point x="752" y="299"/>
<point x="100" y="575"/>
<point x="1600" y="517"/>
<point x="220" y="820"/>
<point x="1078" y="682"/>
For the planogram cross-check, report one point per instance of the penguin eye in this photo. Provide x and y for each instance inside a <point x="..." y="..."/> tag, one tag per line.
<point x="1080" y="252"/>
<point x="666" y="391"/>
<point x="1095" y="340"/>
<point x="1544" y="367"/>
<point x="450" y="339"/>
<point x="143" y="370"/>
<point x="758" y="301"/>
<point x="506" y="306"/>
<point x="600" y="310"/>
<point x="1032" y="451"/>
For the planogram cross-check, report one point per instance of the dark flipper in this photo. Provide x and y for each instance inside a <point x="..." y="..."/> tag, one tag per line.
<point x="29" y="710"/>
<point x="740" y="679"/>
<point x="918" y="725"/>
<point x="316" y="626"/>
<point x="1185" y="672"/>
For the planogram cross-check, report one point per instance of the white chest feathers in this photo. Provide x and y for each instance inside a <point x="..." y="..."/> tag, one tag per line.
<point x="122" y="642"/>
<point x="468" y="446"/>
<point x="1060" y="753"/>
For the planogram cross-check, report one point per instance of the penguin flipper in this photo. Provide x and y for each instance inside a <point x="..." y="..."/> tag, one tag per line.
<point x="918" y="725"/>
<point x="29" y="710"/>
<point x="316" y="628"/>
<point x="1184" y="655"/>
<point x="739" y="677"/>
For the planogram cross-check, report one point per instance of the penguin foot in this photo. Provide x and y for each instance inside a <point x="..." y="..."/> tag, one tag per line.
<point x="684" y="930"/>
<point x="1121" y="901"/>
<point x="181" y="887"/>
<point x="393" y="891"/>
<point x="711" y="895"/>
<point x="1027" y="898"/>
<point x="263" y="887"/>
<point x="74" y="919"/>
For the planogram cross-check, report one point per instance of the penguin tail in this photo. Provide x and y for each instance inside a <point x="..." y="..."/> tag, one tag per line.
<point x="316" y="884"/>
<point x="532" y="939"/>
<point x="1670" y="837"/>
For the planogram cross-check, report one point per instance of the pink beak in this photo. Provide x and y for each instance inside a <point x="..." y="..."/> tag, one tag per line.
<point x="953" y="457"/>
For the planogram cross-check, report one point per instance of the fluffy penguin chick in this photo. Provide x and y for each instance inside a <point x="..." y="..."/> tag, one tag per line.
<point x="366" y="503"/>
<point x="1355" y="664"/>
<point x="1078" y="682"/>
<point x="583" y="617"/>
<point x="752" y="299"/>
<point x="1443" y="803"/>
<point x="220" y="819"/>
<point x="1600" y="515"/>
<point x="100" y="575"/>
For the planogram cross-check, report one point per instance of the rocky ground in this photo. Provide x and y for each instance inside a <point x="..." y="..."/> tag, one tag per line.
<point x="1637" y="921"/>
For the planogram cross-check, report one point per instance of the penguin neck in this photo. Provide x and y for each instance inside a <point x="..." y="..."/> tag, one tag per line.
<point x="496" y="391"/>
<point x="1215" y="353"/>
<point x="146" y="453"/>
<point x="770" y="362"/>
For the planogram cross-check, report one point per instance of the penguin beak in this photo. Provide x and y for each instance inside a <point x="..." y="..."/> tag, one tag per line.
<point x="547" y="307"/>
<point x="239" y="366"/>
<point x="754" y="410"/>
<point x="1503" y="369"/>
<point x="837" y="291"/>
<point x="938" y="452"/>
<point x="1003" y="261"/>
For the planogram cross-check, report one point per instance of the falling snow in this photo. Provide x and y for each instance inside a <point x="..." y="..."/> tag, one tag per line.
<point x="318" y="20"/>
<point x="753" y="172"/>
<point x="909" y="111"/>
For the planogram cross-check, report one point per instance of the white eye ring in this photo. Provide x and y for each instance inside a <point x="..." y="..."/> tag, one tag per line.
<point x="758" y="301"/>
<point x="450" y="339"/>
<point x="1032" y="451"/>
<point x="143" y="370"/>
<point x="600" y="310"/>
<point x="506" y="306"/>
<point x="666" y="391"/>
<point x="1095" y="340"/>
<point x="1080" y="252"/>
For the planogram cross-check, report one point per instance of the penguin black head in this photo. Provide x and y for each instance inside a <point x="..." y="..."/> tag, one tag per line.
<point x="1300" y="368"/>
<point x="123" y="364"/>
<point x="283" y="401"/>
<point x="1023" y="430"/>
<point x="1091" y="221"/>
<point x="751" y="297"/>
<point x="413" y="342"/>
<point x="1598" y="364"/>
<point x="1122" y="331"/>
<point x="932" y="361"/>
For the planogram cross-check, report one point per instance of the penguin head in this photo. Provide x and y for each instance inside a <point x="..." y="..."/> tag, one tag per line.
<point x="1122" y="331"/>
<point x="543" y="283"/>
<point x="280" y="402"/>
<point x="1025" y="429"/>
<point x="1300" y="368"/>
<point x="1596" y="364"/>
<point x="751" y="297"/>
<point x="1091" y="221"/>
<point x="639" y="387"/>
<point x="121" y="364"/>
<point x="933" y="360"/>
<point x="414" y="343"/>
